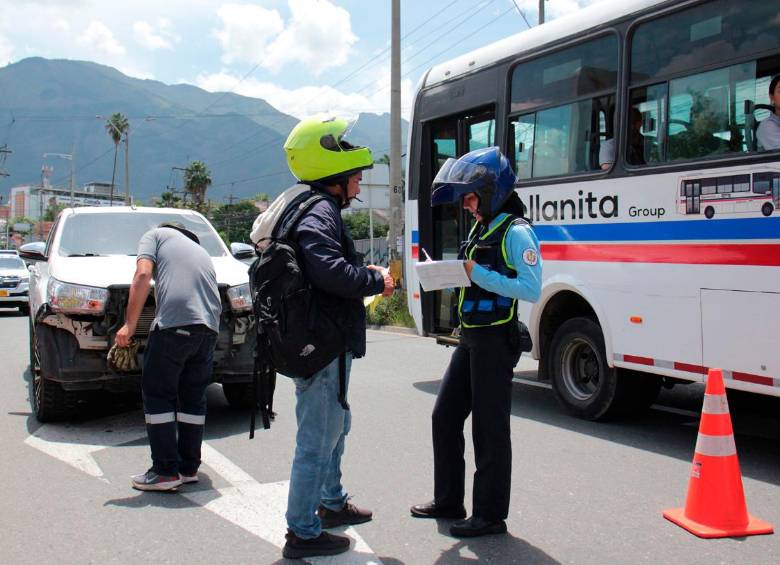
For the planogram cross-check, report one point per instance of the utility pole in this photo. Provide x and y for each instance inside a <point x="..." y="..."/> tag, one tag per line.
<point x="4" y="151"/>
<point x="541" y="12"/>
<point x="127" y="165"/>
<point x="395" y="242"/>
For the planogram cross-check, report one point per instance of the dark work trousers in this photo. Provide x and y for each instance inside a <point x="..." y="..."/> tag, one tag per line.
<point x="177" y="369"/>
<point x="478" y="380"/>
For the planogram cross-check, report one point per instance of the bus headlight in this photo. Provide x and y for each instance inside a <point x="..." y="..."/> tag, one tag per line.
<point x="240" y="298"/>
<point x="76" y="299"/>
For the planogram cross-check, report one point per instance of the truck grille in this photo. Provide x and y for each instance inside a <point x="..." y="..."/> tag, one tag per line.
<point x="9" y="282"/>
<point x="145" y="322"/>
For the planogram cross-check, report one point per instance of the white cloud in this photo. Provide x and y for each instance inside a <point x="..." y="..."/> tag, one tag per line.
<point x="246" y="31"/>
<point x="62" y="25"/>
<point x="99" y="37"/>
<point x="147" y="36"/>
<point x="309" y="100"/>
<point x="6" y="49"/>
<point x="318" y="35"/>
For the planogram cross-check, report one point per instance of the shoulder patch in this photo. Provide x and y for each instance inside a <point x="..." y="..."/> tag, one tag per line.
<point x="530" y="256"/>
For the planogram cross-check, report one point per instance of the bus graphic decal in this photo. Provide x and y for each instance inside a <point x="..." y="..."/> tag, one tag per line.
<point x="729" y="194"/>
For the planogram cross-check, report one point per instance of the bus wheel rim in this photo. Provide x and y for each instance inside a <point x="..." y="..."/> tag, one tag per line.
<point x="580" y="369"/>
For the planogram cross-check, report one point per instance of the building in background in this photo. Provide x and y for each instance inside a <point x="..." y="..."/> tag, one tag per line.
<point x="32" y="201"/>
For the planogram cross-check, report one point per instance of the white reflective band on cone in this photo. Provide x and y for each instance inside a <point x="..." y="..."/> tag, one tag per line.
<point x="191" y="418"/>
<point x="163" y="418"/>
<point x="716" y="446"/>
<point x="715" y="404"/>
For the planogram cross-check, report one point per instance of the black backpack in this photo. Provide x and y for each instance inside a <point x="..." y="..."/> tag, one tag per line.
<point x="294" y="336"/>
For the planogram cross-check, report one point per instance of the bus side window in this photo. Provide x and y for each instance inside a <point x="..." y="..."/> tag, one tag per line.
<point x="523" y="143"/>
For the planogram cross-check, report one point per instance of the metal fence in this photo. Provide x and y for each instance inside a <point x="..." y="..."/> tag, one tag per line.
<point x="380" y="257"/>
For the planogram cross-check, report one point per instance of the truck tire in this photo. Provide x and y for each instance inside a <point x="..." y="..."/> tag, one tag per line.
<point x="584" y="383"/>
<point x="238" y="395"/>
<point x="50" y="402"/>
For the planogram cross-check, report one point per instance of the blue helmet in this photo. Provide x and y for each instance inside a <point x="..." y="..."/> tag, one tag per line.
<point x="483" y="171"/>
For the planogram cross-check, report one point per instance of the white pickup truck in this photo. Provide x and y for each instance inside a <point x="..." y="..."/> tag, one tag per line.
<point x="79" y="286"/>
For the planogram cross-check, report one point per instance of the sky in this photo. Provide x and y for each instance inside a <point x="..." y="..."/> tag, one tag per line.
<point x="301" y="56"/>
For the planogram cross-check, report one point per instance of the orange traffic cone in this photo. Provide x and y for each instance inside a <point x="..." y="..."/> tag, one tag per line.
<point x="715" y="506"/>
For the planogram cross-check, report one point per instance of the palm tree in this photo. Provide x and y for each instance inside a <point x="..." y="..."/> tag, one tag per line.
<point x="116" y="126"/>
<point x="197" y="179"/>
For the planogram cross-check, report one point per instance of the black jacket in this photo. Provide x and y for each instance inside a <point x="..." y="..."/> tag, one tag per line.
<point x="331" y="265"/>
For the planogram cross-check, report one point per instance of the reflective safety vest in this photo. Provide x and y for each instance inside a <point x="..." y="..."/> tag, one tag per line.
<point x="478" y="307"/>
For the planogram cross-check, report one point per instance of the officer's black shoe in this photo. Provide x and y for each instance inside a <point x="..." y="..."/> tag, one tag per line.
<point x="324" y="544"/>
<point x="349" y="515"/>
<point x="433" y="510"/>
<point x="474" y="526"/>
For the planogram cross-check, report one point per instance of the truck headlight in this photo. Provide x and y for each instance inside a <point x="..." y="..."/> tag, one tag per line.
<point x="76" y="299"/>
<point x="240" y="297"/>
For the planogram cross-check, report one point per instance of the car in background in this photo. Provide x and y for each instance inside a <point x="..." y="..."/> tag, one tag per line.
<point x="79" y="288"/>
<point x="14" y="282"/>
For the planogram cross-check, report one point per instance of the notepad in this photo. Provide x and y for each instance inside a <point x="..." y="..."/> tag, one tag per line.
<point x="437" y="275"/>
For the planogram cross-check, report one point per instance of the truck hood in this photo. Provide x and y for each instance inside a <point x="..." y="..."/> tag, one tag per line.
<point x="14" y="273"/>
<point x="119" y="269"/>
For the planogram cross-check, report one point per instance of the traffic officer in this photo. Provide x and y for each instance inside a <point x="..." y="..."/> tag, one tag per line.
<point x="501" y="257"/>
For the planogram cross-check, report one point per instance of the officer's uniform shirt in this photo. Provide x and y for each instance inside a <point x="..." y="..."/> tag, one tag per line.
<point x="523" y="253"/>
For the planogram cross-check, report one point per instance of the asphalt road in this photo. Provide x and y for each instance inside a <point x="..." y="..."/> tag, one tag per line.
<point x="582" y="492"/>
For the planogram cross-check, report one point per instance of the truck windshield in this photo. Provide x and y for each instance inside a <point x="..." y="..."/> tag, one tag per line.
<point x="90" y="235"/>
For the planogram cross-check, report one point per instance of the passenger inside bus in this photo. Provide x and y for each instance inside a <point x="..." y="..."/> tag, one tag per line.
<point x="768" y="132"/>
<point x="636" y="144"/>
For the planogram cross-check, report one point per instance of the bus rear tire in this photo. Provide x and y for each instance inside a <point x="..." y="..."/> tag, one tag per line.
<point x="767" y="209"/>
<point x="709" y="212"/>
<point x="584" y="383"/>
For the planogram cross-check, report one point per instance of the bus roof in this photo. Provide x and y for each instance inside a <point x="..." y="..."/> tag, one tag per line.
<point x="566" y="26"/>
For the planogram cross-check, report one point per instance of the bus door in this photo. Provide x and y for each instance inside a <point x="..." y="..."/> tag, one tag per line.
<point x="451" y="137"/>
<point x="692" y="195"/>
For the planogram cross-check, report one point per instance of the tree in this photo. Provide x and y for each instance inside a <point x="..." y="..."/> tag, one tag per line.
<point x="358" y="224"/>
<point x="116" y="127"/>
<point x="197" y="178"/>
<point x="234" y="221"/>
<point x="169" y="200"/>
<point x="52" y="211"/>
<point x="383" y="160"/>
<point x="262" y="197"/>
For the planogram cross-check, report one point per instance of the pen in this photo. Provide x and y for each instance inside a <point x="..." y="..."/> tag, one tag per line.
<point x="427" y="257"/>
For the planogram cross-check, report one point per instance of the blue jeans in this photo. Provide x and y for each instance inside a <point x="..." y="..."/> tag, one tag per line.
<point x="323" y="425"/>
<point x="177" y="369"/>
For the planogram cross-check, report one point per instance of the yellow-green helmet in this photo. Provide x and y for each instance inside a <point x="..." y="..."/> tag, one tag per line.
<point x="316" y="150"/>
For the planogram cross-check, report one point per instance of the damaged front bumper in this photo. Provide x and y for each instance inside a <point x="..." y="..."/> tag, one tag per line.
<point x="73" y="349"/>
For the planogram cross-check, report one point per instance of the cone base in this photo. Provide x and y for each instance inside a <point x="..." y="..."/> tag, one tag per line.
<point x="755" y="526"/>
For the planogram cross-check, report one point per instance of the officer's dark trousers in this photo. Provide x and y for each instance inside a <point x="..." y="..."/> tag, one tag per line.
<point x="477" y="381"/>
<point x="177" y="369"/>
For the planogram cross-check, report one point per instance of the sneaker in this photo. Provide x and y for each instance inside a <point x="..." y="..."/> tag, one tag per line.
<point x="324" y="544"/>
<point x="187" y="479"/>
<point x="349" y="515"/>
<point x="152" y="481"/>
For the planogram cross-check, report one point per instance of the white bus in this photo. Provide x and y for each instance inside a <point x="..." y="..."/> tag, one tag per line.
<point x="638" y="290"/>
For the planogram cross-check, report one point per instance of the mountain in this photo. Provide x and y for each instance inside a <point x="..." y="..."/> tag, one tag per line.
<point x="60" y="106"/>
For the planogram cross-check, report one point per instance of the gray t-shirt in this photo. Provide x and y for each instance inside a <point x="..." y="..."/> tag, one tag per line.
<point x="185" y="282"/>
<point x="768" y="133"/>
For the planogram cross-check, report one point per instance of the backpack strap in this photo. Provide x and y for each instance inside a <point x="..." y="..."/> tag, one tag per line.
<point x="303" y="206"/>
<point x="343" y="381"/>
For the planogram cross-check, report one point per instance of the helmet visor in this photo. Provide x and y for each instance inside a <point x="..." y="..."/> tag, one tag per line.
<point x="455" y="179"/>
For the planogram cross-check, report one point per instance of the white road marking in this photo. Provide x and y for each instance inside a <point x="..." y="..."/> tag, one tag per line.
<point x="74" y="444"/>
<point x="257" y="508"/>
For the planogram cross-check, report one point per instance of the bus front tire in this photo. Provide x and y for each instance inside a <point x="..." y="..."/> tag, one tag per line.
<point x="709" y="212"/>
<point x="767" y="209"/>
